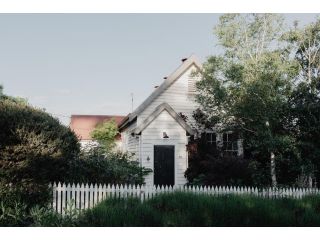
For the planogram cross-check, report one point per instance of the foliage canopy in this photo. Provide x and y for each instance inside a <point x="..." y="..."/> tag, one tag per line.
<point x="105" y="134"/>
<point x="265" y="87"/>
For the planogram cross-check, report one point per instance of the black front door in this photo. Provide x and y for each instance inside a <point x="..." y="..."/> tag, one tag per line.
<point x="163" y="165"/>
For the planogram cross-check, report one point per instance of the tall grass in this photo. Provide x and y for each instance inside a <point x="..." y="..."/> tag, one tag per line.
<point x="187" y="209"/>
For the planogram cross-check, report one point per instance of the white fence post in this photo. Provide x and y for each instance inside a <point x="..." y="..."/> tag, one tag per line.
<point x="86" y="196"/>
<point x="67" y="192"/>
<point x="104" y="192"/>
<point x="63" y="197"/>
<point x="59" y="197"/>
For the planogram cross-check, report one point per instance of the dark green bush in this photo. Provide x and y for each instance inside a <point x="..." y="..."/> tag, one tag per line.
<point x="209" y="166"/>
<point x="96" y="166"/>
<point x="35" y="149"/>
<point x="28" y="194"/>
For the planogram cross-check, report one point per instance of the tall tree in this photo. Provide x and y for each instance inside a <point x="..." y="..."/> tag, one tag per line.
<point x="247" y="88"/>
<point x="305" y="47"/>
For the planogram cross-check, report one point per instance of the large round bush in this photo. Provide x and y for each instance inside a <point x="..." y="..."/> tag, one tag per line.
<point x="35" y="149"/>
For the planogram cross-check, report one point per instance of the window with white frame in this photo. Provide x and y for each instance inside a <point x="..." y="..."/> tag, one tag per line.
<point x="211" y="139"/>
<point x="230" y="143"/>
<point x="227" y="142"/>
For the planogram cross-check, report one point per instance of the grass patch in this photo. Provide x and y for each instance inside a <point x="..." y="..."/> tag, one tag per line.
<point x="187" y="209"/>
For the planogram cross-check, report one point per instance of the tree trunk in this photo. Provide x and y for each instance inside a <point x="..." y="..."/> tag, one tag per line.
<point x="273" y="170"/>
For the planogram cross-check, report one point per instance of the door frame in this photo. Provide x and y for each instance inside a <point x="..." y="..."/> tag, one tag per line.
<point x="174" y="160"/>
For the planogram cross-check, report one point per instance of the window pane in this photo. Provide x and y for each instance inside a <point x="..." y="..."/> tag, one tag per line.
<point x="214" y="144"/>
<point x="213" y="137"/>
<point x="230" y="143"/>
<point x="225" y="137"/>
<point x="208" y="137"/>
<point x="235" y="145"/>
<point x="233" y="137"/>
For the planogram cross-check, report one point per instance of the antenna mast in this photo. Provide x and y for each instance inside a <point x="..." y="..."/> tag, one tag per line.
<point x="131" y="102"/>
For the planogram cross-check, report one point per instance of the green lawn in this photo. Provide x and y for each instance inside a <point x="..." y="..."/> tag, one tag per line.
<point x="187" y="209"/>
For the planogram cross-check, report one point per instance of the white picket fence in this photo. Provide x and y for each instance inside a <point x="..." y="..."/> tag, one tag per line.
<point x="84" y="196"/>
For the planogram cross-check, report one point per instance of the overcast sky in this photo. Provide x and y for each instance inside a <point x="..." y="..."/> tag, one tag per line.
<point x="91" y="63"/>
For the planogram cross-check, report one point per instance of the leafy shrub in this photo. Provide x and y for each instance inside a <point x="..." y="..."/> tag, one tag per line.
<point x="96" y="166"/>
<point x="14" y="214"/>
<point x="47" y="217"/>
<point x="35" y="149"/>
<point x="29" y="194"/>
<point x="207" y="166"/>
<point x="18" y="214"/>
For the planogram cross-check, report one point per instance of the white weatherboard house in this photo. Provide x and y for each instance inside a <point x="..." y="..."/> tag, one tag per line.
<point x="156" y="133"/>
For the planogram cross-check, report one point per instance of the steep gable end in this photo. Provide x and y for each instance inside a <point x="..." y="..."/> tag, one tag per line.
<point x="164" y="107"/>
<point x="157" y="97"/>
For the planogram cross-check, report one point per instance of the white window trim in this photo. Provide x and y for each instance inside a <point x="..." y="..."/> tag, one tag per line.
<point x="219" y="142"/>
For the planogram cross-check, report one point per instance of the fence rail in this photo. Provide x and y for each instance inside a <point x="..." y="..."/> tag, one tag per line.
<point x="84" y="196"/>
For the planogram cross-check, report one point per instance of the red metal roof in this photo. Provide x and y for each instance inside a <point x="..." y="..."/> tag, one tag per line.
<point x="83" y="125"/>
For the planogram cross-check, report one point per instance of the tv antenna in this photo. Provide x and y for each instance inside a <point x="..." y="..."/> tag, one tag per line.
<point x="131" y="102"/>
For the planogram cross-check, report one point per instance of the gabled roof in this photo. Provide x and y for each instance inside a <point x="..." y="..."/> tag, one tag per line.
<point x="83" y="125"/>
<point x="162" y="107"/>
<point x="192" y="60"/>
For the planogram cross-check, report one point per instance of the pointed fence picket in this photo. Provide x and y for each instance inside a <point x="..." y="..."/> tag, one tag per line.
<point x="59" y="190"/>
<point x="84" y="196"/>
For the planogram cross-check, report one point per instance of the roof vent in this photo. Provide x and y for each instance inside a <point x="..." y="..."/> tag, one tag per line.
<point x="165" y="77"/>
<point x="156" y="86"/>
<point x="184" y="59"/>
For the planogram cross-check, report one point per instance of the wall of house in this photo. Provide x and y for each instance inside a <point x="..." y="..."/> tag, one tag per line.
<point x="153" y="135"/>
<point x="177" y="96"/>
<point x="130" y="143"/>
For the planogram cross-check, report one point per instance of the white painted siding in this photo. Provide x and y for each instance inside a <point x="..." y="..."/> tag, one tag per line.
<point x="192" y="89"/>
<point x="153" y="135"/>
<point x="177" y="96"/>
<point x="130" y="143"/>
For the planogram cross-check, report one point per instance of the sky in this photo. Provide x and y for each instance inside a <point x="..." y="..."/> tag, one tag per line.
<point x="92" y="63"/>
